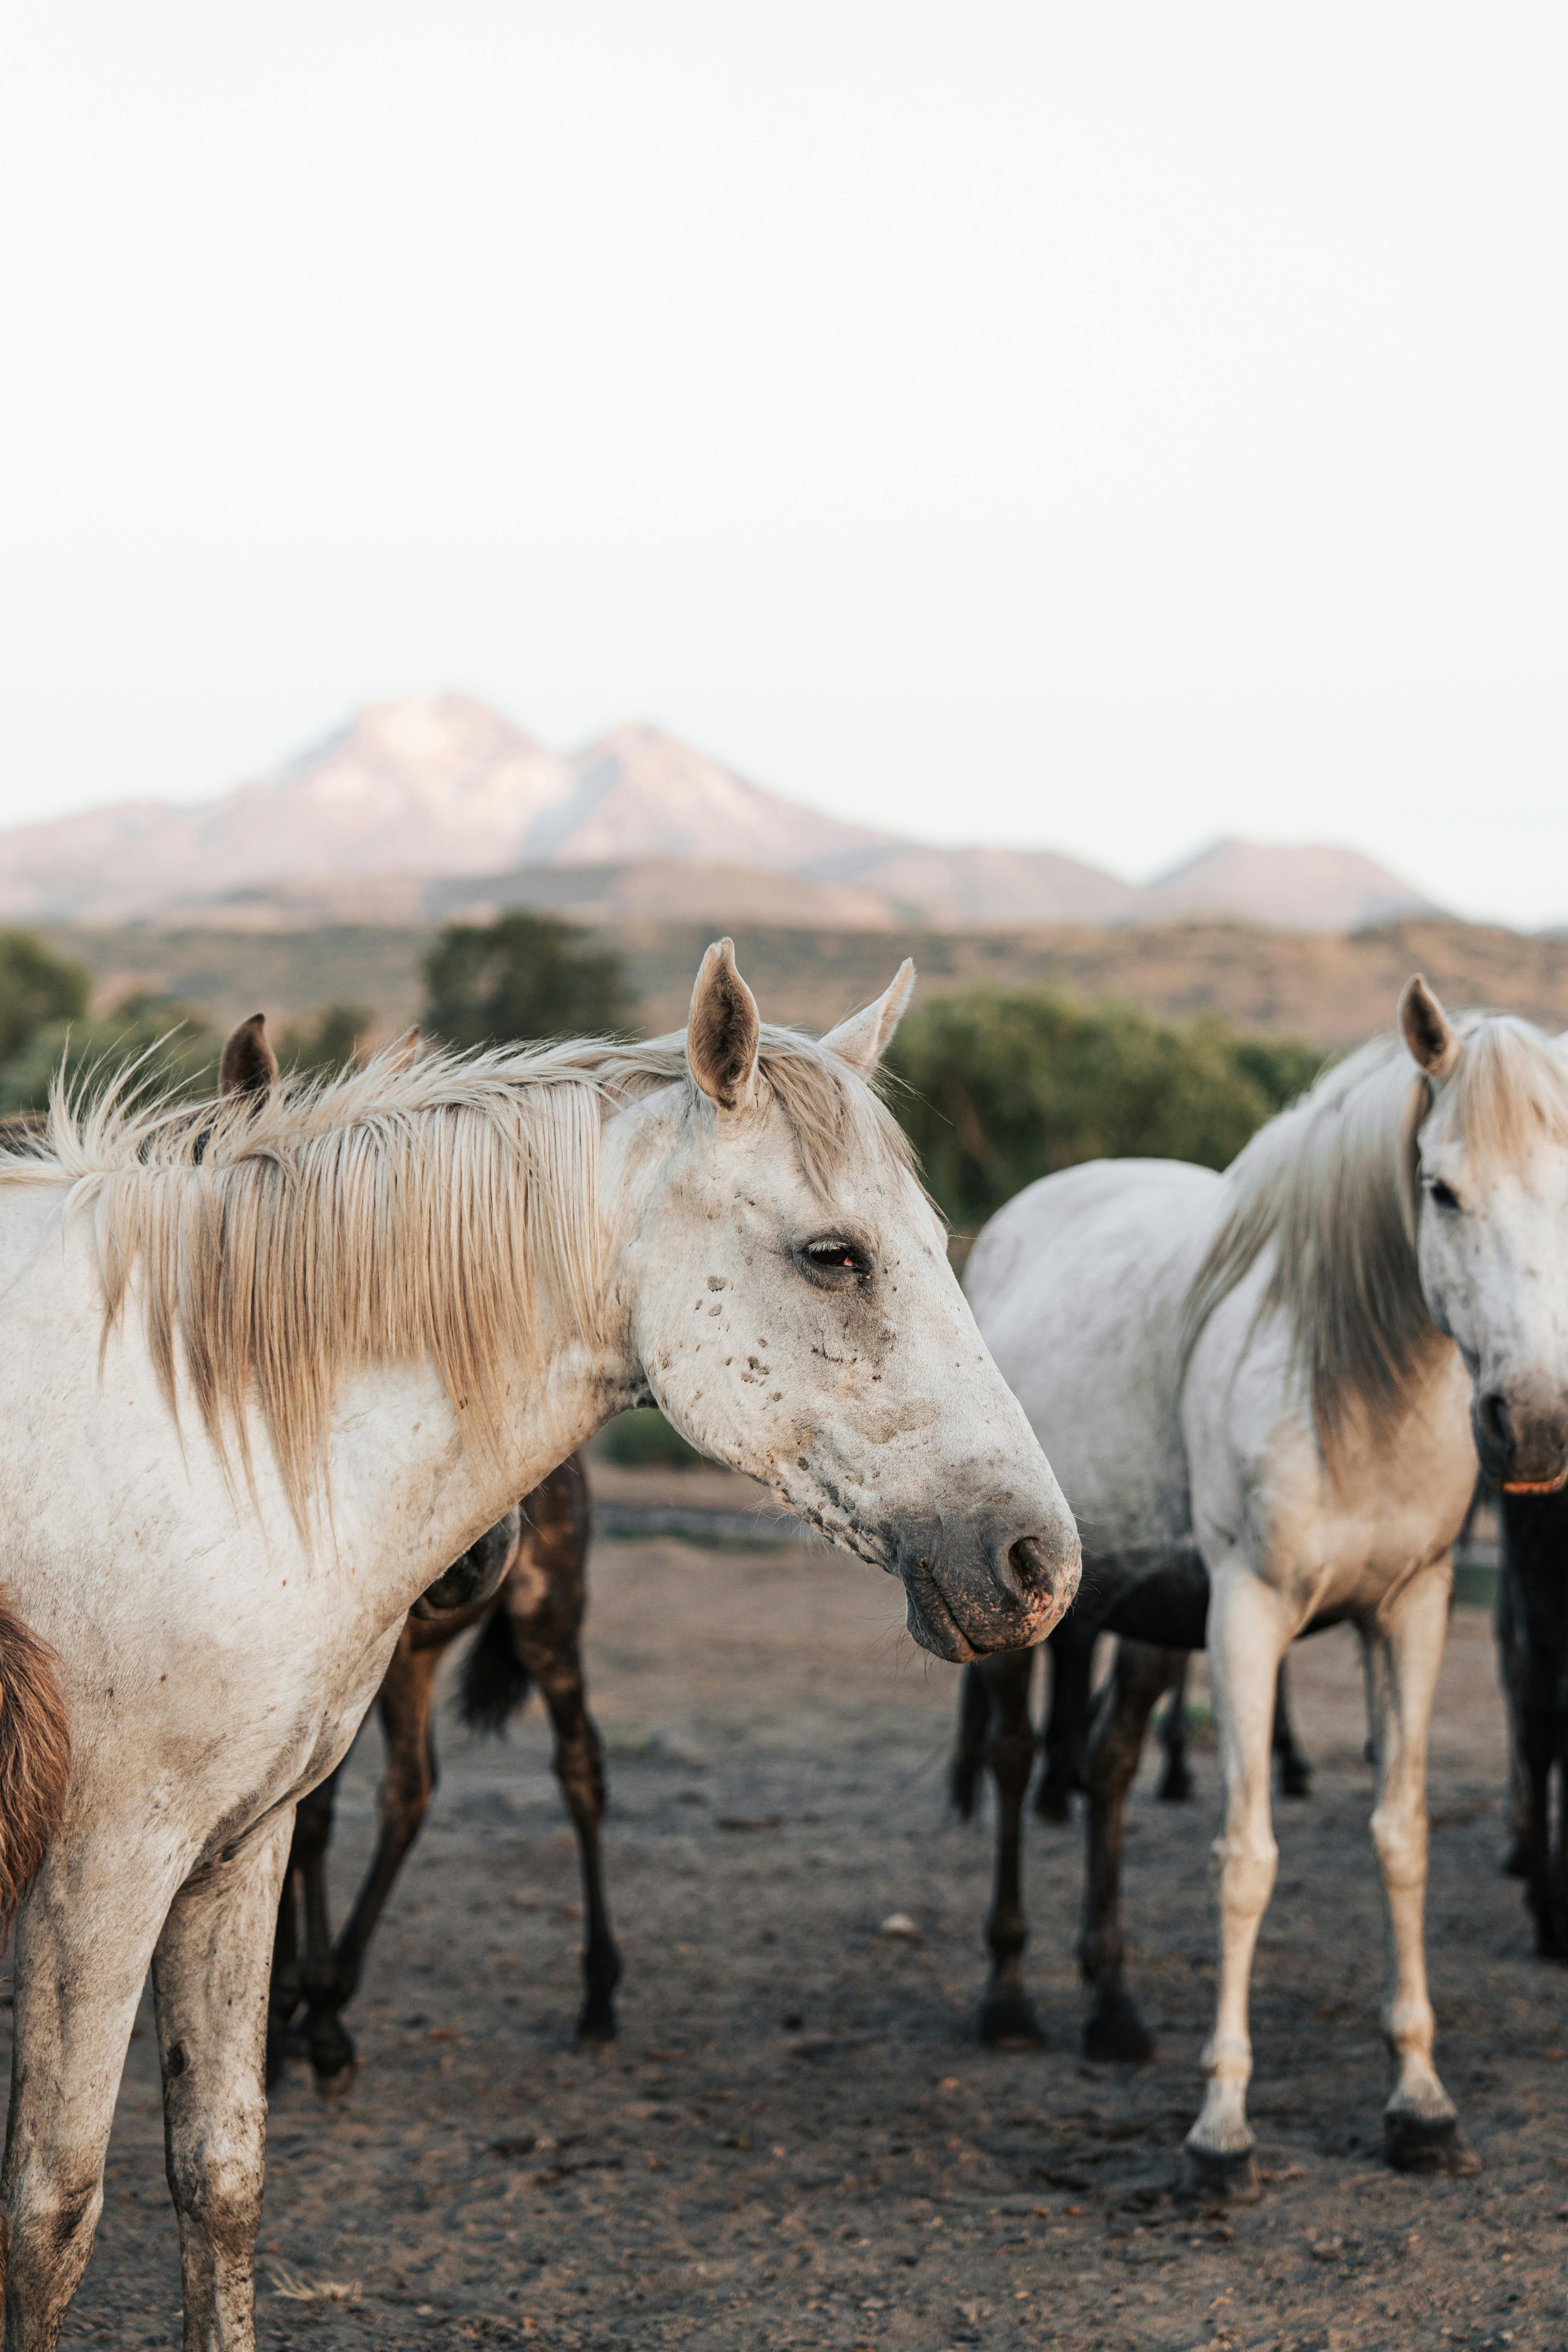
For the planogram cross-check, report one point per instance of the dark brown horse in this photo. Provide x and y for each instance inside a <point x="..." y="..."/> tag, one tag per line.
<point x="530" y="1628"/>
<point x="522" y="1586"/>
<point x="1081" y="1752"/>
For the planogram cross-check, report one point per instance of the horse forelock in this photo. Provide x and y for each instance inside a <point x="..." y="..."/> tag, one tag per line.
<point x="447" y="1211"/>
<point x="1329" y="1186"/>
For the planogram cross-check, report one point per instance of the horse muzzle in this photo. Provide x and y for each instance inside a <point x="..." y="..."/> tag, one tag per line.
<point x="1522" y="1441"/>
<point x="1002" y="1592"/>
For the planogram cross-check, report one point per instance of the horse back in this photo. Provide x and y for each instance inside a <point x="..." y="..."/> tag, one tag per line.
<point x="1078" y="1286"/>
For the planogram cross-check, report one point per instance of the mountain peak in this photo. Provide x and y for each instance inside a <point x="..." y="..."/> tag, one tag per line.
<point x="440" y="789"/>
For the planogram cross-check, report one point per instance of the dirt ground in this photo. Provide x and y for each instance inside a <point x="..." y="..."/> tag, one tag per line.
<point x="797" y="2142"/>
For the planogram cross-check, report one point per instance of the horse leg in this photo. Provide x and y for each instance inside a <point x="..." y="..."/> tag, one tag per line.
<point x="969" y="1752"/>
<point x="84" y="1938"/>
<point x="327" y="2041"/>
<point x="1176" y="1780"/>
<point x="1508" y="1631"/>
<point x="1007" y="2018"/>
<point x="1403" y="1651"/>
<point x="209" y="1986"/>
<point x="1070" y="1649"/>
<point x="283" y="1985"/>
<point x="404" y="1703"/>
<point x="1295" y="1770"/>
<point x="545" y="1600"/>
<point x="1248" y="1635"/>
<point x="1537" y="1745"/>
<point x="1113" y="2030"/>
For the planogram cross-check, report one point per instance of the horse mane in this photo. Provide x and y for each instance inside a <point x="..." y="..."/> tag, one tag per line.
<point x="445" y="1211"/>
<point x="1331" y="1186"/>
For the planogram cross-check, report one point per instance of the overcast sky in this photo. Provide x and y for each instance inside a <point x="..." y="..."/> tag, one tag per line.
<point x="1100" y="427"/>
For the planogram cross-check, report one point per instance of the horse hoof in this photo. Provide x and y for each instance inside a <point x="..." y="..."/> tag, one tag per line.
<point x="1516" y="1860"/>
<point x="338" y="2084"/>
<point x="596" y="2026"/>
<point x="1208" y="2177"/>
<point x="1114" y="2034"/>
<point x="1007" y="2021"/>
<point x="1296" y="1780"/>
<point x="1427" y="2143"/>
<point x="1175" y="1785"/>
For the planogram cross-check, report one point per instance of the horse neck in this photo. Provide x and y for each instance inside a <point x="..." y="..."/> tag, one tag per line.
<point x="407" y="1496"/>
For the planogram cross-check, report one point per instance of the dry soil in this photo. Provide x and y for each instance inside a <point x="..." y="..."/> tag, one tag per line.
<point x="797" y="2141"/>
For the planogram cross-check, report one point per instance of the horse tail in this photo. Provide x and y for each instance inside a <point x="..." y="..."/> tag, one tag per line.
<point x="969" y="1756"/>
<point x="495" y="1679"/>
<point x="34" y="1758"/>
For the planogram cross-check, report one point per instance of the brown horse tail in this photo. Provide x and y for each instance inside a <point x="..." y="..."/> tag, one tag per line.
<point x="34" y="1758"/>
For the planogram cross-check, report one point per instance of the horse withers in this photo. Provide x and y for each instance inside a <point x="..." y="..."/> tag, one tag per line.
<point x="288" y="1358"/>
<point x="1266" y="1393"/>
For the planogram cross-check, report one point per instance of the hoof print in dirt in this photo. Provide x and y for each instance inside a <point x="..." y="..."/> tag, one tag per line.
<point x="1209" y="2178"/>
<point x="1422" y="2144"/>
<point x="1007" y="2021"/>
<point x="1114" y="2034"/>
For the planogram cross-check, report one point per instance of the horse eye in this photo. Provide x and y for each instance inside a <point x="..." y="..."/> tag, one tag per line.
<point x="1442" y="1196"/>
<point x="831" y="1256"/>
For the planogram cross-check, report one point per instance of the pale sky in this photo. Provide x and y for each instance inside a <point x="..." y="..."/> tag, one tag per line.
<point x="1096" y="426"/>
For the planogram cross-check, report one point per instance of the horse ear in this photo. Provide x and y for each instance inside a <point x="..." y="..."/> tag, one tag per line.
<point x="405" y="1053"/>
<point x="863" y="1038"/>
<point x="722" y="1030"/>
<point x="1426" y="1029"/>
<point x="248" y="1064"/>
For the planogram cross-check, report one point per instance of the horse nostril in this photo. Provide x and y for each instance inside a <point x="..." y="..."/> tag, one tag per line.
<point x="1496" y="1423"/>
<point x="1032" y="1567"/>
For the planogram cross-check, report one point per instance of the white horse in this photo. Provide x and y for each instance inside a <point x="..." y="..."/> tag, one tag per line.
<point x="270" y="1367"/>
<point x="1258" y="1392"/>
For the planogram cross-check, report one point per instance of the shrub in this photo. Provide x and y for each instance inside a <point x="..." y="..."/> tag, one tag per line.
<point x="1000" y="1088"/>
<point x="523" y="979"/>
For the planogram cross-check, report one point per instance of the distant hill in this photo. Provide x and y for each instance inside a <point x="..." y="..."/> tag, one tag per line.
<point x="1328" y="989"/>
<point x="436" y="803"/>
<point x="1311" y="887"/>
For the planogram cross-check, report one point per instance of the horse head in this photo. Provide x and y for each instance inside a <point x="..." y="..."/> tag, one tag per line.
<point x="795" y="1314"/>
<point x="1487" y="1127"/>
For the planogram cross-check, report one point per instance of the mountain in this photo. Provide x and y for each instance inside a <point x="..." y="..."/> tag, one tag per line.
<point x="1311" y="887"/>
<point x="436" y="803"/>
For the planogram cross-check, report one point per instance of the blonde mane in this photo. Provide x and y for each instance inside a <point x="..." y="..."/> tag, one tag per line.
<point x="1329" y="1186"/>
<point x="446" y="1212"/>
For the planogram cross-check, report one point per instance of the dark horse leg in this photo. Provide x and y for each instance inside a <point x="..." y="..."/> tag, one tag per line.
<point x="1295" y="1772"/>
<point x="1535" y="1571"/>
<point x="405" y="1703"/>
<point x="299" y="1966"/>
<point x="545" y="1601"/>
<point x="1510" y="1633"/>
<point x="1070" y="1649"/>
<point x="1176" y="1780"/>
<point x="1007" y="2018"/>
<point x="1113" y="2029"/>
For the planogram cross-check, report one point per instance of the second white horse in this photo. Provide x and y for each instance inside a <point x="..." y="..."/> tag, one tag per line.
<point x="1259" y="1394"/>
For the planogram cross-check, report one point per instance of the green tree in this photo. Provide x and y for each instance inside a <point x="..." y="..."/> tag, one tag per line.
<point x="1001" y="1089"/>
<point x="181" y="1052"/>
<point x="36" y="987"/>
<point x="523" y="979"/>
<point x="321" y="1047"/>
